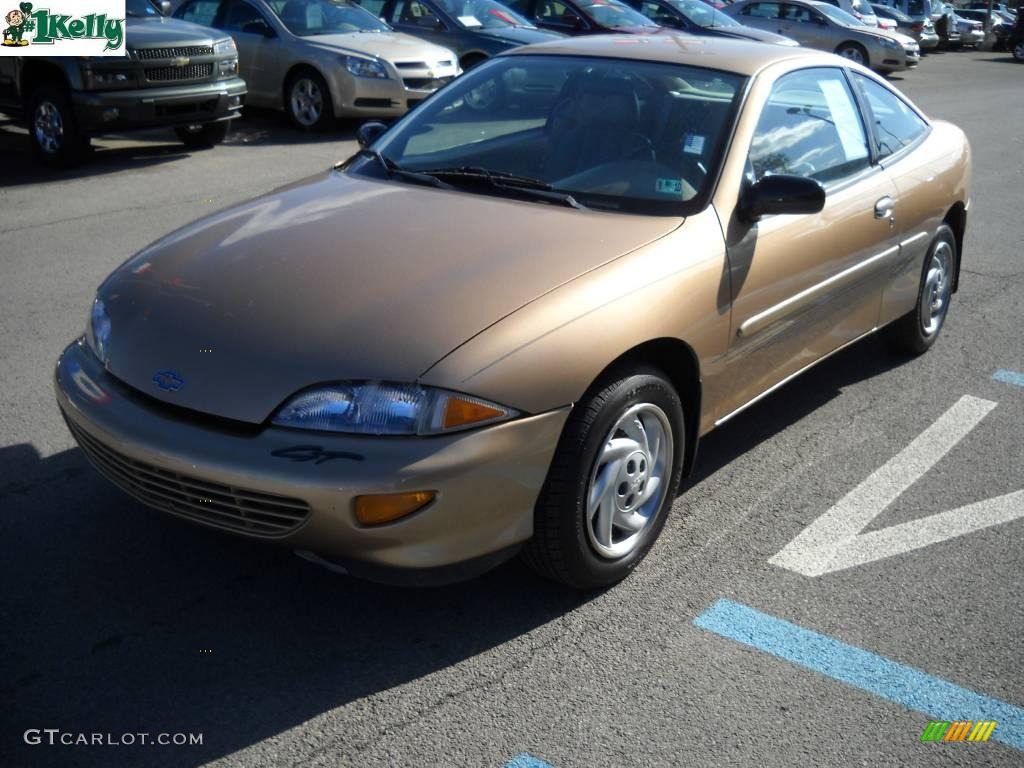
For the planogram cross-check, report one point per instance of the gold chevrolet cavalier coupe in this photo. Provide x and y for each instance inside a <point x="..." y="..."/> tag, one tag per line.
<point x="505" y="323"/>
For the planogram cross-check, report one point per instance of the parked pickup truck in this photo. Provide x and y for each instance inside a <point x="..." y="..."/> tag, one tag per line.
<point x="175" y="74"/>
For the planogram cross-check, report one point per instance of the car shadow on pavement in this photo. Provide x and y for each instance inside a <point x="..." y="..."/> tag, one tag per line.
<point x="123" y="152"/>
<point x="117" y="619"/>
<point x="791" y="403"/>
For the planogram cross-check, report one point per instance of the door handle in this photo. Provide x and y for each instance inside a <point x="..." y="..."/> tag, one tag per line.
<point x="884" y="208"/>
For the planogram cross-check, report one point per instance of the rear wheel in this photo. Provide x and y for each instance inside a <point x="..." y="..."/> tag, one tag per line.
<point x="203" y="135"/>
<point x="612" y="482"/>
<point x="915" y="332"/>
<point x="307" y="101"/>
<point x="854" y="52"/>
<point x="1018" y="50"/>
<point x="52" y="128"/>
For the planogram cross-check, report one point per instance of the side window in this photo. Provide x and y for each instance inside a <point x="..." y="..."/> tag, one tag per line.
<point x="896" y="124"/>
<point x="797" y="13"/>
<point x="653" y="10"/>
<point x="810" y="127"/>
<point x="763" y="11"/>
<point x="415" y="13"/>
<point x="521" y="7"/>
<point x="376" y="7"/>
<point x="201" y="12"/>
<point x="238" y="14"/>
<point x="555" y="12"/>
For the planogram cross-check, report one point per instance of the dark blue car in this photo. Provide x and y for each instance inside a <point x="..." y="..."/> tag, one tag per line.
<point x="474" y="29"/>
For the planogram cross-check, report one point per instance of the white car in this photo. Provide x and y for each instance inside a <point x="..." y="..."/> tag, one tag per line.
<point x="859" y="9"/>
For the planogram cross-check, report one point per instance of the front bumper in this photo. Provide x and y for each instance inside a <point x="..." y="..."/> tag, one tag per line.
<point x="391" y="97"/>
<point x="227" y="477"/>
<point x="895" y="60"/>
<point x="929" y="42"/>
<point x="107" y="111"/>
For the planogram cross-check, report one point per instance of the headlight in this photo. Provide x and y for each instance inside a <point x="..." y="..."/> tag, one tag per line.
<point x="224" y="46"/>
<point x="97" y="331"/>
<point x="888" y="42"/>
<point x="365" y="67"/>
<point x="386" y="408"/>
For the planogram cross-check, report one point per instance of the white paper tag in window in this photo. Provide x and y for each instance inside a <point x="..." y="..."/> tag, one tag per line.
<point x="470" y="21"/>
<point x="847" y="123"/>
<point x="693" y="144"/>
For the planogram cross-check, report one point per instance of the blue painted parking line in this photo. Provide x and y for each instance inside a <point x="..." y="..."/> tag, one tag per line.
<point x="1009" y="377"/>
<point x="524" y="760"/>
<point x="862" y="669"/>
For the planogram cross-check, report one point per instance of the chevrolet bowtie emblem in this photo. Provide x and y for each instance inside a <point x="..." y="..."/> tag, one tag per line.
<point x="180" y="61"/>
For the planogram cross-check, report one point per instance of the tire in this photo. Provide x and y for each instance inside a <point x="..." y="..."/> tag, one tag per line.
<point x="203" y="136"/>
<point x="916" y="331"/>
<point x="307" y="100"/>
<point x="567" y="545"/>
<point x="1018" y="50"/>
<point x="470" y="61"/>
<point x="854" y="52"/>
<point x="53" y="129"/>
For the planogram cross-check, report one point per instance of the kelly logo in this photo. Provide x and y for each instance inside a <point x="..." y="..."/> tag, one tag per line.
<point x="28" y="31"/>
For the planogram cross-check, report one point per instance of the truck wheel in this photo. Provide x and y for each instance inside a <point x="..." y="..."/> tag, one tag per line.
<point x="52" y="128"/>
<point x="203" y="135"/>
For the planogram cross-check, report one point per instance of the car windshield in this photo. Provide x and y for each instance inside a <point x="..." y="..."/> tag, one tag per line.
<point x="609" y="134"/>
<point x="612" y="14"/>
<point x="325" y="17"/>
<point x="483" y="14"/>
<point x="892" y="13"/>
<point x="702" y="14"/>
<point x="140" y="8"/>
<point x="839" y="16"/>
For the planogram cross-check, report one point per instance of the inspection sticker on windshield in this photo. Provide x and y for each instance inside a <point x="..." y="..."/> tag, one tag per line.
<point x="693" y="144"/>
<point x="470" y="21"/>
<point x="670" y="187"/>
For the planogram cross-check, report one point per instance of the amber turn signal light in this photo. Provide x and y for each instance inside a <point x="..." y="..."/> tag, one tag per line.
<point x="387" y="507"/>
<point x="459" y="412"/>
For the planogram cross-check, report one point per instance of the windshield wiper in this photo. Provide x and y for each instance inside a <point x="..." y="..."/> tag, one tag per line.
<point x="508" y="181"/>
<point x="392" y="169"/>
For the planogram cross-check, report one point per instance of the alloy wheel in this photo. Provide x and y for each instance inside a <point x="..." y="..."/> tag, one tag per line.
<point x="48" y="127"/>
<point x="629" y="480"/>
<point x="307" y="102"/>
<point x="937" y="289"/>
<point x="853" y="54"/>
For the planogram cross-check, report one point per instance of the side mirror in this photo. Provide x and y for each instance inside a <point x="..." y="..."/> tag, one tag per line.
<point x="257" y="28"/>
<point x="165" y="7"/>
<point x="370" y="132"/>
<point x="781" y="194"/>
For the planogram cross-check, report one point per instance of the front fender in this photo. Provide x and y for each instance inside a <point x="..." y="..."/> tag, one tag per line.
<point x="548" y="353"/>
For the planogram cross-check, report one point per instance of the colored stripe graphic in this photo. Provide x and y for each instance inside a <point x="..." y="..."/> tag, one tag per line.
<point x="895" y="682"/>
<point x="1009" y="377"/>
<point x="526" y="760"/>
<point x="935" y="731"/>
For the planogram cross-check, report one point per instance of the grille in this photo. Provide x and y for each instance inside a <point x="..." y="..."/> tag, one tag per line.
<point x="235" y="509"/>
<point x="188" y="72"/>
<point x="149" y="54"/>
<point x="420" y="64"/>
<point x="425" y="83"/>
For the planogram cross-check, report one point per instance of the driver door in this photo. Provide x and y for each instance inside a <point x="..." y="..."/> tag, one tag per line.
<point x="805" y="25"/>
<point x="256" y="51"/>
<point x="804" y="285"/>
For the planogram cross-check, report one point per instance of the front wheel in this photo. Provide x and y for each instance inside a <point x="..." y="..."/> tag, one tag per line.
<point x="308" y="101"/>
<point x="52" y="127"/>
<point x="202" y="135"/>
<point x="1018" y="50"/>
<point x="854" y="52"/>
<point x="612" y="482"/>
<point x="915" y="332"/>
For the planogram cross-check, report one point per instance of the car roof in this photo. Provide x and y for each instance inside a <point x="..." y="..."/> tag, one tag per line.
<point x="742" y="57"/>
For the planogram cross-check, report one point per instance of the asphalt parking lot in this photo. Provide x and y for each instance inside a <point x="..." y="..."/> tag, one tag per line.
<point x="726" y="647"/>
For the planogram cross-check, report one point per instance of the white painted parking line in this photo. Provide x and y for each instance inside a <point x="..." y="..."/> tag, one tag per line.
<point x="834" y="541"/>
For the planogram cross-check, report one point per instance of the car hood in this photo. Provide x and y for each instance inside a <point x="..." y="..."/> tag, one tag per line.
<point x="144" y="32"/>
<point x="519" y="35"/>
<point x="339" y="277"/>
<point x="884" y="34"/>
<point x="391" y="46"/>
<point x="750" y="33"/>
